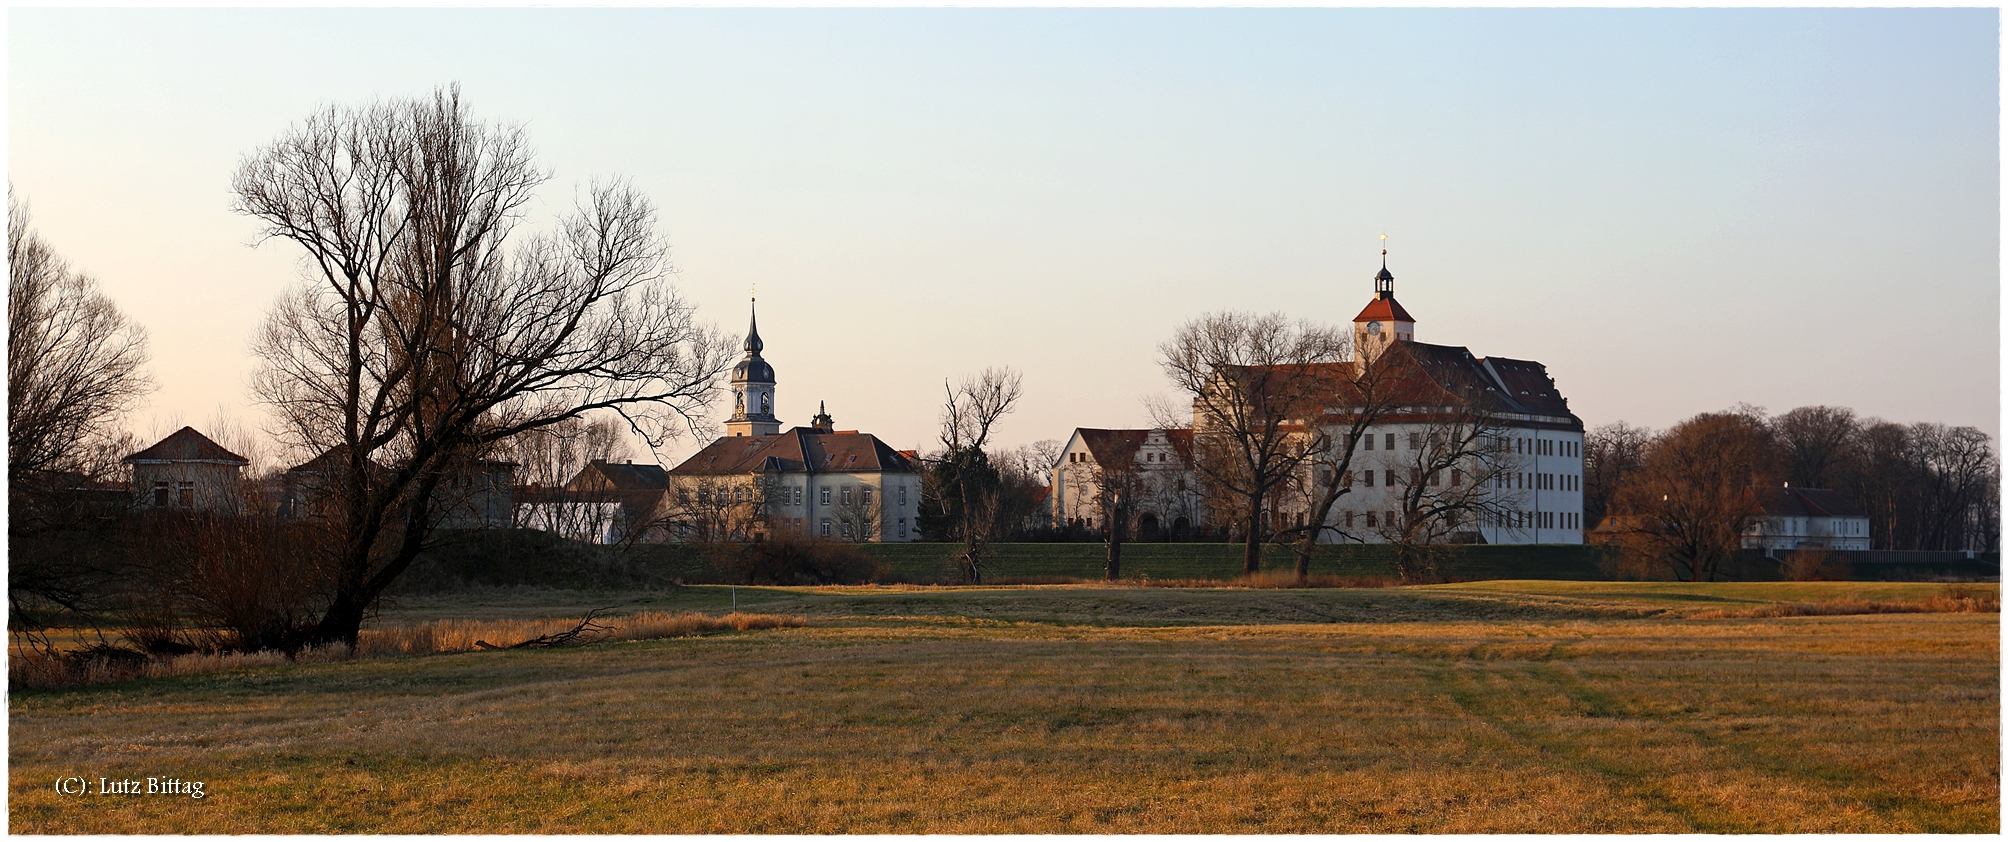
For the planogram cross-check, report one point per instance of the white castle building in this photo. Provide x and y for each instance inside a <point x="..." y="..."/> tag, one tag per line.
<point x="1535" y="484"/>
<point x="1529" y="489"/>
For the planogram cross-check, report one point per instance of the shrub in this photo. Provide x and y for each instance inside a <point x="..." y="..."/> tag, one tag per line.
<point x="788" y="561"/>
<point x="1815" y="565"/>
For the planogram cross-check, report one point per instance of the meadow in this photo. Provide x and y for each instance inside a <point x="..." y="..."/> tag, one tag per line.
<point x="1511" y="706"/>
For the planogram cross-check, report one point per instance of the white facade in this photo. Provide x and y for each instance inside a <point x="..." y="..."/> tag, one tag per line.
<point x="1807" y="518"/>
<point x="1163" y="487"/>
<point x="1537" y="489"/>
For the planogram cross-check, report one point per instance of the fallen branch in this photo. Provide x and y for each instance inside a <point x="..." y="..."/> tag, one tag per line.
<point x="585" y="632"/>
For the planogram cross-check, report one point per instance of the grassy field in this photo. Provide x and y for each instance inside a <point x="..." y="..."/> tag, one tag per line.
<point x="1499" y="706"/>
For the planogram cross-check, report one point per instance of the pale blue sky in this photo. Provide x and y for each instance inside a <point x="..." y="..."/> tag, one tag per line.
<point x="1675" y="210"/>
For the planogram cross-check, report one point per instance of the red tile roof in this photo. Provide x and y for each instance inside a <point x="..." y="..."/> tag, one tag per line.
<point x="1119" y="447"/>
<point x="1385" y="310"/>
<point x="186" y="445"/>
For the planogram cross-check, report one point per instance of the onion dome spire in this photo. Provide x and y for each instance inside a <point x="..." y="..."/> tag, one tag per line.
<point x="753" y="344"/>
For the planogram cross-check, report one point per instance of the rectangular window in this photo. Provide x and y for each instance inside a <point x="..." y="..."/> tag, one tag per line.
<point x="847" y="495"/>
<point x="160" y="494"/>
<point x="1348" y="479"/>
<point x="1456" y="477"/>
<point x="847" y="527"/>
<point x="826" y="525"/>
<point x="1390" y="519"/>
<point x="902" y="495"/>
<point x="1349" y="518"/>
<point x="798" y="495"/>
<point x="1390" y="441"/>
<point x="1435" y="477"/>
<point x="1370" y="520"/>
<point x="187" y="495"/>
<point x="902" y="527"/>
<point x="868" y="495"/>
<point x="1415" y="441"/>
<point x="1369" y="475"/>
<point x="826" y="501"/>
<point x="1414" y="476"/>
<point x="1370" y="441"/>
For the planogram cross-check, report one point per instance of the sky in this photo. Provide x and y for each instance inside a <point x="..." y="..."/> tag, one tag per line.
<point x="1675" y="210"/>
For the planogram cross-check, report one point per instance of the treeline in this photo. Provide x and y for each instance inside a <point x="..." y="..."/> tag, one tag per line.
<point x="1925" y="486"/>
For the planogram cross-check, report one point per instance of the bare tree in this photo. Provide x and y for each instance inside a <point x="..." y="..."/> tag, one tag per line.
<point x="860" y="514"/>
<point x="968" y="414"/>
<point x="1451" y="484"/>
<point x="74" y="369"/>
<point x="1611" y="453"/>
<point x="1113" y="492"/>
<point x="1259" y="386"/>
<point x="561" y="497"/>
<point x="1687" y="510"/>
<point x="1817" y="441"/>
<point x="421" y="337"/>
<point x="1364" y="390"/>
<point x="74" y="363"/>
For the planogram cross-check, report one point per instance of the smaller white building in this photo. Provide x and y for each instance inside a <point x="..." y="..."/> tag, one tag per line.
<point x="1808" y="518"/>
<point x="1154" y="467"/>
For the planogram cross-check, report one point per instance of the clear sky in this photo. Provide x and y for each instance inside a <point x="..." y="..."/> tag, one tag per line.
<point x="1675" y="210"/>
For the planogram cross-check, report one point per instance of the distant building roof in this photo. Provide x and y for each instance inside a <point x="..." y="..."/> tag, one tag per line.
<point x="620" y="476"/>
<point x="796" y="450"/>
<point x="1119" y="447"/>
<point x="1807" y="502"/>
<point x="186" y="445"/>
<point x="1424" y="375"/>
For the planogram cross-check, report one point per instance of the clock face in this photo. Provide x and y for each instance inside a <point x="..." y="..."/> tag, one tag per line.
<point x="1373" y="328"/>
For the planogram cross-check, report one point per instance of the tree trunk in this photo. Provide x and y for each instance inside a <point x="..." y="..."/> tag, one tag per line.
<point x="1115" y="564"/>
<point x="1251" y="559"/>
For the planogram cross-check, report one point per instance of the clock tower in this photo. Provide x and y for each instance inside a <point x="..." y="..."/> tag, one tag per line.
<point x="1383" y="321"/>
<point x="753" y="390"/>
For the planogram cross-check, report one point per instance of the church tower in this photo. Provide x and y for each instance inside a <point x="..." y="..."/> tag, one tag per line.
<point x="753" y="391"/>
<point x="1383" y="321"/>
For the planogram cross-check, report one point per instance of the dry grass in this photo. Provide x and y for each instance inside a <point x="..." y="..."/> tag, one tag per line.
<point x="1276" y="580"/>
<point x="41" y="671"/>
<point x="445" y="636"/>
<point x="1953" y="601"/>
<point x="915" y="718"/>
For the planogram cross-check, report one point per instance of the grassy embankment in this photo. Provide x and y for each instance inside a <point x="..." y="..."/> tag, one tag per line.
<point x="1498" y="706"/>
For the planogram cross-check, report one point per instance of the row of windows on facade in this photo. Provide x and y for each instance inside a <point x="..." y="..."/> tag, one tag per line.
<point x="842" y="524"/>
<point x="795" y="524"/>
<point x="1521" y="446"/>
<point x="1504" y="520"/>
<point x="742" y="494"/>
<point x="184" y="498"/>
<point x="1521" y="480"/>
<point x="1148" y="456"/>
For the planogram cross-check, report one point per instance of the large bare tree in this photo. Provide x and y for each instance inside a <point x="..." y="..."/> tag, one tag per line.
<point x="74" y="368"/>
<point x="1687" y="509"/>
<point x="74" y="362"/>
<point x="425" y="333"/>
<point x="1259" y="386"/>
<point x="1450" y="483"/>
<point x="1611" y="453"/>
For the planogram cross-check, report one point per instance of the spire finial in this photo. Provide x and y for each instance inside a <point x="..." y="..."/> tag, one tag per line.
<point x="1384" y="282"/>
<point x="753" y="344"/>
